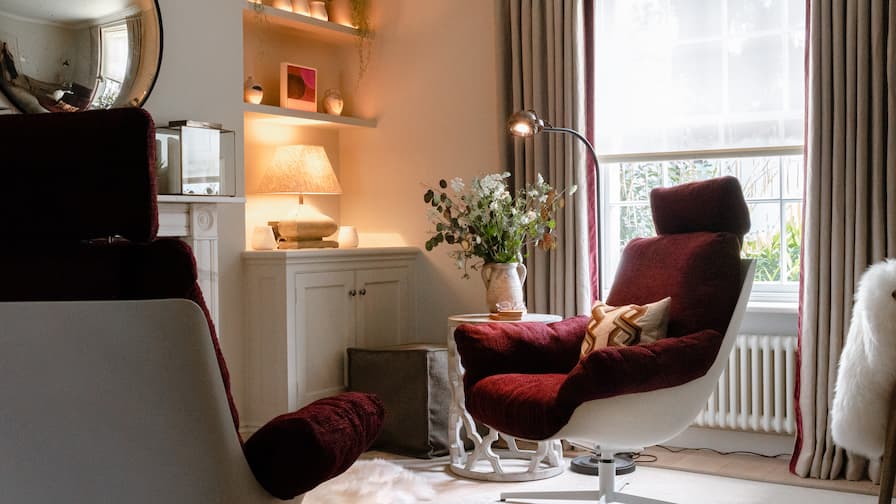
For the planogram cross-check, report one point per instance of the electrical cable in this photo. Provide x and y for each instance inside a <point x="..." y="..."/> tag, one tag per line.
<point x="643" y="457"/>
<point x="718" y="452"/>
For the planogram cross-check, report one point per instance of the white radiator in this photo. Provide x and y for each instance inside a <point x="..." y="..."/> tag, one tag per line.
<point x="755" y="391"/>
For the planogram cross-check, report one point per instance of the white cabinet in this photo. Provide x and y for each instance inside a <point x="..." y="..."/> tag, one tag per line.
<point x="305" y="307"/>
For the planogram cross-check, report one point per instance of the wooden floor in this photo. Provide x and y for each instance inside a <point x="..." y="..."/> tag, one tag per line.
<point x="749" y="467"/>
<point x="701" y="478"/>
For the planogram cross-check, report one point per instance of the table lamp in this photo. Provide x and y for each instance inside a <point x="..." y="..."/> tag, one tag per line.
<point x="302" y="169"/>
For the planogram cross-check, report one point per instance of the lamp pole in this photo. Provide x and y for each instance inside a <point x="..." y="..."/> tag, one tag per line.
<point x="526" y="123"/>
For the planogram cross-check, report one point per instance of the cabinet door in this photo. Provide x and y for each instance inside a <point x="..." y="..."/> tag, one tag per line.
<point x="324" y="327"/>
<point x="383" y="307"/>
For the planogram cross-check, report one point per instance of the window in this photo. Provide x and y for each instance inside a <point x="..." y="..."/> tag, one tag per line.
<point x="113" y="64"/>
<point x="686" y="91"/>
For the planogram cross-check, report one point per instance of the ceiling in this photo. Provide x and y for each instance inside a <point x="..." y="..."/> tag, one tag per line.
<point x="65" y="11"/>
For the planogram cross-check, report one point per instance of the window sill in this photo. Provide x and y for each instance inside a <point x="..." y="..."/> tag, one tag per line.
<point x="776" y="307"/>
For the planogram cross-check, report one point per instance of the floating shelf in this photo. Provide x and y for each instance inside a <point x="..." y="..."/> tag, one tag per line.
<point x="323" y="30"/>
<point x="302" y="118"/>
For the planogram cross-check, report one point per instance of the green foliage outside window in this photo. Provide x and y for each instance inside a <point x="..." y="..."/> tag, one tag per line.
<point x="636" y="180"/>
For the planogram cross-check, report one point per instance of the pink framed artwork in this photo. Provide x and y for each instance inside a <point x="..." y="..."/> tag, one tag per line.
<point x="298" y="87"/>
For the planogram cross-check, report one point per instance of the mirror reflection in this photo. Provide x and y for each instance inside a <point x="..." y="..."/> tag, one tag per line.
<point x="66" y="56"/>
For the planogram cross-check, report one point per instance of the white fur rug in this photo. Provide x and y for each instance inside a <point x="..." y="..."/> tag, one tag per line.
<point x="372" y="482"/>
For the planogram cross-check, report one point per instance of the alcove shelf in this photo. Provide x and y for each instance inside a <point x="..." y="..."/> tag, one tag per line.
<point x="322" y="30"/>
<point x="290" y="117"/>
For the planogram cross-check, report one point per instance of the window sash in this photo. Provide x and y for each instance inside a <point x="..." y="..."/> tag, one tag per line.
<point x="782" y="291"/>
<point x="643" y="157"/>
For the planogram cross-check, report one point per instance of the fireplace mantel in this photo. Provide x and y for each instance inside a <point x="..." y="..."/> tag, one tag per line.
<point x="194" y="219"/>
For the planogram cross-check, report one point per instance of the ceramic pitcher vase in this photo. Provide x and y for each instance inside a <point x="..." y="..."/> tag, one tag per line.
<point x="503" y="283"/>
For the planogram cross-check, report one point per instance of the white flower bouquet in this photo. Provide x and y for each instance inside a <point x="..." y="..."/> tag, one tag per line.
<point x="487" y="222"/>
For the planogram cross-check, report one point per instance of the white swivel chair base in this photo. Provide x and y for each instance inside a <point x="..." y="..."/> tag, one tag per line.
<point x="607" y="479"/>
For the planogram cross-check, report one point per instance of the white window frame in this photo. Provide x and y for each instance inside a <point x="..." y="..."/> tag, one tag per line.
<point x="770" y="295"/>
<point x="102" y="95"/>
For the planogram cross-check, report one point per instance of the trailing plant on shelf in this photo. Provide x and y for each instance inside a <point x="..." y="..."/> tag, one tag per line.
<point x="359" y="11"/>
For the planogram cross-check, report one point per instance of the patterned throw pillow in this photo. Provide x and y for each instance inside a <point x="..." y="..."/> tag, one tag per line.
<point x="626" y="325"/>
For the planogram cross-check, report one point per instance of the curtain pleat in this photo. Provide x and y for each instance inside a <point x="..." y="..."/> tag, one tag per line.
<point x="850" y="221"/>
<point x="545" y="55"/>
<point x="135" y="54"/>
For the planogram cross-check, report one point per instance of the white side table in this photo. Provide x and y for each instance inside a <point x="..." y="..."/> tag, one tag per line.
<point x="484" y="462"/>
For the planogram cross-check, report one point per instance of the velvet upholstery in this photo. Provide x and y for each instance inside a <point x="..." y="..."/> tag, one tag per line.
<point x="527" y="379"/>
<point x="699" y="271"/>
<point x="716" y="205"/>
<point x="75" y="174"/>
<point x="529" y="347"/>
<point x="522" y="405"/>
<point x="296" y="451"/>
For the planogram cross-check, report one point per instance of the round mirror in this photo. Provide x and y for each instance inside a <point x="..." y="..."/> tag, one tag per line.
<point x="66" y="56"/>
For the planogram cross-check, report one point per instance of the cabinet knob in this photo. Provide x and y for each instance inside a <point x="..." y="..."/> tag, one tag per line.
<point x="352" y="293"/>
<point x="362" y="292"/>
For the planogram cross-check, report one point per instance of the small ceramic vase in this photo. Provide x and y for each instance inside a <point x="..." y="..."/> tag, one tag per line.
<point x="347" y="237"/>
<point x="282" y="5"/>
<point x="253" y="92"/>
<point x="319" y="10"/>
<point x="333" y="101"/>
<point x="301" y="7"/>
<point x="340" y="12"/>
<point x="503" y="284"/>
<point x="263" y="238"/>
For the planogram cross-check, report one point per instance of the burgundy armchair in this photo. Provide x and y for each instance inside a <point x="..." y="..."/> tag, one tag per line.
<point x="528" y="380"/>
<point x="79" y="223"/>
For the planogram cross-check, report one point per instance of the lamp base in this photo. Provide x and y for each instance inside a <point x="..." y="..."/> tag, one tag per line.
<point x="301" y="244"/>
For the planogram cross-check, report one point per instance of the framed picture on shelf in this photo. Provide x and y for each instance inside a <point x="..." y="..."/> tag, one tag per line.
<point x="298" y="87"/>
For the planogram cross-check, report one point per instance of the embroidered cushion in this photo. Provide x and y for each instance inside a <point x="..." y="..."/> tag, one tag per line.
<point x="626" y="325"/>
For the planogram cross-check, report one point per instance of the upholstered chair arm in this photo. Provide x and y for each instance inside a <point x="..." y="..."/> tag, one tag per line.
<point x="295" y="452"/>
<point x="528" y="347"/>
<point x="613" y="371"/>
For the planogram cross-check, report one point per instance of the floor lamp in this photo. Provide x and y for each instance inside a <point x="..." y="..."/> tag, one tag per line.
<point x="526" y="123"/>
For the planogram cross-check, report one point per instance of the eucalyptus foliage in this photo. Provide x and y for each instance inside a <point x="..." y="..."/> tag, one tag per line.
<point x="488" y="222"/>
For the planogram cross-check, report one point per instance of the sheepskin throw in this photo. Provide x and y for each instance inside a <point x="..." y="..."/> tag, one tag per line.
<point x="867" y="372"/>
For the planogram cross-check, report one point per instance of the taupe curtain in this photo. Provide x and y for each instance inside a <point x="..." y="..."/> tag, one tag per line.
<point x="544" y="66"/>
<point x="135" y="53"/>
<point x="850" y="221"/>
<point x="95" y="56"/>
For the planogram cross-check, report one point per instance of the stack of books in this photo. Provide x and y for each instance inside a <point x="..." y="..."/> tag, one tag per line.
<point x="507" y="315"/>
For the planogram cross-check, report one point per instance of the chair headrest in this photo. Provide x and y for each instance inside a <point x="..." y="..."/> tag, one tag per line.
<point x="714" y="205"/>
<point x="78" y="176"/>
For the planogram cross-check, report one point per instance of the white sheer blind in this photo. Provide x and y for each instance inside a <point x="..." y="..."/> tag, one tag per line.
<point x="695" y="75"/>
<point x="115" y="52"/>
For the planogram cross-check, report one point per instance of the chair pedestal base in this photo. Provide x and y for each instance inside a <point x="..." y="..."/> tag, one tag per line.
<point x="590" y="464"/>
<point x="606" y="495"/>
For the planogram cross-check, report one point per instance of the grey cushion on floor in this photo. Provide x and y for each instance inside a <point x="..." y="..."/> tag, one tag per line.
<point x="412" y="381"/>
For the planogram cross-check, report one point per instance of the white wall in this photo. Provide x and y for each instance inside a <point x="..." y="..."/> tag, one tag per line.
<point x="39" y="48"/>
<point x="201" y="78"/>
<point x="432" y="86"/>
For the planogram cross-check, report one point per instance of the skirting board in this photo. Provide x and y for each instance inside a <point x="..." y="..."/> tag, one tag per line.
<point x="729" y="441"/>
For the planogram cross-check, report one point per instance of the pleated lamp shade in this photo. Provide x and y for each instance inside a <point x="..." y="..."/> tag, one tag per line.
<point x="300" y="169"/>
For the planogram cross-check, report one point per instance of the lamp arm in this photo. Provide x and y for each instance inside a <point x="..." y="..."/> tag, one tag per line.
<point x="581" y="137"/>
<point x="551" y="129"/>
